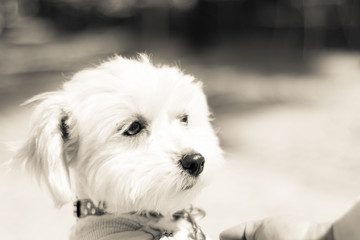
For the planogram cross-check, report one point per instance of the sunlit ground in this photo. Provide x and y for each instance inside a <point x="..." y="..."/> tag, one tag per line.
<point x="290" y="128"/>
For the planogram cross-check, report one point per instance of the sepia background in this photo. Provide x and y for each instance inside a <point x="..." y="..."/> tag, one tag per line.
<point x="282" y="79"/>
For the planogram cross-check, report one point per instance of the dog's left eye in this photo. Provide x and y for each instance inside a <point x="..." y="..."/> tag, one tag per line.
<point x="134" y="129"/>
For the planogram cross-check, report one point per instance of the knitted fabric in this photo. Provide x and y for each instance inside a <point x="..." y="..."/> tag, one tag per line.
<point x="110" y="227"/>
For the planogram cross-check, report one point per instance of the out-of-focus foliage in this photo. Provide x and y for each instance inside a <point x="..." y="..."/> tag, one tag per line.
<point x="326" y="23"/>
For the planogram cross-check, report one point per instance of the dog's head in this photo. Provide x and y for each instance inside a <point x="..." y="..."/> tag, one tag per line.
<point x="126" y="132"/>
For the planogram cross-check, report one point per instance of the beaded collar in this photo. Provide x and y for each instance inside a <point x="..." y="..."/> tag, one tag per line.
<point x="86" y="207"/>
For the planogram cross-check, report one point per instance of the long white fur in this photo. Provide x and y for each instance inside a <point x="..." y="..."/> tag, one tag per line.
<point x="98" y="161"/>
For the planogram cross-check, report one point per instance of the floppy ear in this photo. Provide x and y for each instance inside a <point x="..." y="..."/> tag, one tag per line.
<point x="43" y="153"/>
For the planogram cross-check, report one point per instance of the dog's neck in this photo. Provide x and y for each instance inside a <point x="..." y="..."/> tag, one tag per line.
<point x="86" y="207"/>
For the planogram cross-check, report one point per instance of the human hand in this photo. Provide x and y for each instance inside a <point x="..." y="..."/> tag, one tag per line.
<point x="279" y="228"/>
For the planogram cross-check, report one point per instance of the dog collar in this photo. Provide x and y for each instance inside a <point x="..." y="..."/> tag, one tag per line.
<point x="86" y="207"/>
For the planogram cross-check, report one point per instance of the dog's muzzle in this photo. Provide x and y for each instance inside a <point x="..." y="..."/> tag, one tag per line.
<point x="193" y="163"/>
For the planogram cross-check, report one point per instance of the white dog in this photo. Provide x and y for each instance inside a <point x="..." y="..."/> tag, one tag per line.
<point x="131" y="144"/>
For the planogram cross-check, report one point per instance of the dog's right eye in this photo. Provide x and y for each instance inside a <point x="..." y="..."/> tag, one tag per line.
<point x="133" y="129"/>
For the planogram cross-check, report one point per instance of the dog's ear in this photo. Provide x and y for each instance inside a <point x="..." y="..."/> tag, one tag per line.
<point x="43" y="153"/>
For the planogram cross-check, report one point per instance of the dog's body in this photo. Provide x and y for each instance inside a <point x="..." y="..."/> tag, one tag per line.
<point x="129" y="134"/>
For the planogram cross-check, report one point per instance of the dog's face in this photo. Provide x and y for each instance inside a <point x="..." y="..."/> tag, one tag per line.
<point x="126" y="132"/>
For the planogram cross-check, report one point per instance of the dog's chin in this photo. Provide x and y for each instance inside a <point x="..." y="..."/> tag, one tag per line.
<point x="188" y="183"/>
<point x="182" y="197"/>
<point x="187" y="187"/>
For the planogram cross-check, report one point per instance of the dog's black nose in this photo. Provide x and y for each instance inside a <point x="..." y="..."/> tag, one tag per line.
<point x="193" y="163"/>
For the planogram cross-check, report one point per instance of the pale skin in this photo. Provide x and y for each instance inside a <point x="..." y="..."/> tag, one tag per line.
<point x="279" y="228"/>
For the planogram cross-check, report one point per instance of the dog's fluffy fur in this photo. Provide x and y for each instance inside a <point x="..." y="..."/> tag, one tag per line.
<point x="78" y="144"/>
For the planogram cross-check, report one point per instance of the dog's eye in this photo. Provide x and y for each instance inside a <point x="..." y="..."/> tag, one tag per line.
<point x="184" y="119"/>
<point x="134" y="129"/>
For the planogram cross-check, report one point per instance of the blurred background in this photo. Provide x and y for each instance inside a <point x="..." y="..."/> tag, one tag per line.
<point x="282" y="79"/>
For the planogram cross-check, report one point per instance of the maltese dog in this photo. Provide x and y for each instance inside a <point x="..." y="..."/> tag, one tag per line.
<point x="131" y="144"/>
